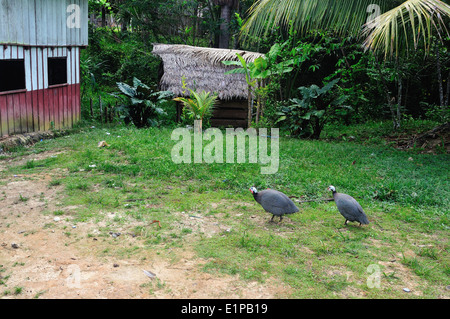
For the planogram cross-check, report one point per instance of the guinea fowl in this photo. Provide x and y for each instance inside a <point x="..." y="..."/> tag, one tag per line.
<point x="274" y="202"/>
<point x="349" y="207"/>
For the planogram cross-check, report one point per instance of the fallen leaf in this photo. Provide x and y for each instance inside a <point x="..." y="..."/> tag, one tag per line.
<point x="156" y="221"/>
<point x="102" y="144"/>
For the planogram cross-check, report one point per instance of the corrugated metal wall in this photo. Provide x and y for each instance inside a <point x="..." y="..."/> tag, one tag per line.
<point x="44" y="22"/>
<point x="41" y="107"/>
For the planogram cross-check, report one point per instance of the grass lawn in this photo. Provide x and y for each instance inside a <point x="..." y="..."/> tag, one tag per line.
<point x="405" y="195"/>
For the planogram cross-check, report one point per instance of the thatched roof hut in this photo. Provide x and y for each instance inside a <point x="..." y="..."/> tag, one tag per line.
<point x="203" y="70"/>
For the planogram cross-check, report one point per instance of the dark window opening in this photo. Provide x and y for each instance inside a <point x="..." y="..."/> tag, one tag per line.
<point x="12" y="75"/>
<point x="57" y="71"/>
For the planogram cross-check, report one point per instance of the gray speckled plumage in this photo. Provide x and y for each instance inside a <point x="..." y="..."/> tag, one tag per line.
<point x="349" y="207"/>
<point x="274" y="202"/>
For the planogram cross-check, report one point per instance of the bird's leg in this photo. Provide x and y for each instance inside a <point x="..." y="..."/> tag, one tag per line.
<point x="346" y="221"/>
<point x="272" y="218"/>
<point x="281" y="218"/>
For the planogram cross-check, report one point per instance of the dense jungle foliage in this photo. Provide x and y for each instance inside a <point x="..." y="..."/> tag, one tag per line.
<point x="414" y="85"/>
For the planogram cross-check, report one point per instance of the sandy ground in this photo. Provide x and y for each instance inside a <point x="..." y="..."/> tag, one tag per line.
<point x="53" y="259"/>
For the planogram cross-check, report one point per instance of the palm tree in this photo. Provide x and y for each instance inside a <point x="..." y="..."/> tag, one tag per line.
<point x="400" y="24"/>
<point x="200" y="106"/>
<point x="226" y="7"/>
<point x="404" y="24"/>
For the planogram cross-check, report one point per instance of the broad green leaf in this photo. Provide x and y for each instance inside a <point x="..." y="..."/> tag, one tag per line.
<point x="232" y="63"/>
<point x="236" y="71"/>
<point x="126" y="89"/>
<point x="307" y="116"/>
<point x="243" y="62"/>
<point x="136" y="101"/>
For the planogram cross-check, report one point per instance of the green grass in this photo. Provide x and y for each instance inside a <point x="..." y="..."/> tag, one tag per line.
<point x="373" y="132"/>
<point x="311" y="252"/>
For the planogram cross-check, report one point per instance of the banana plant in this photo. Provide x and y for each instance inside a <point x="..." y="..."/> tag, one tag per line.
<point x="244" y="67"/>
<point x="257" y="72"/>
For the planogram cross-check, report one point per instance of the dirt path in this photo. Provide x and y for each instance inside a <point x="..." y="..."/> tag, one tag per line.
<point x="41" y="257"/>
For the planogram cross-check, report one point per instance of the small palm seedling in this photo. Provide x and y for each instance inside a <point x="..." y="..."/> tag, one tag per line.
<point x="199" y="105"/>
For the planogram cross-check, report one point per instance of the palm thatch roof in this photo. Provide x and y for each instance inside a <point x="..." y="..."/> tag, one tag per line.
<point x="203" y="70"/>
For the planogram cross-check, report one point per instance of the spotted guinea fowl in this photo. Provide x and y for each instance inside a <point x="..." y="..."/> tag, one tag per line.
<point x="274" y="202"/>
<point x="349" y="207"/>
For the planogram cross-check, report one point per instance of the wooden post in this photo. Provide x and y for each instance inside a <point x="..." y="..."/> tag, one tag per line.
<point x="111" y="114"/>
<point x="106" y="114"/>
<point x="258" y="102"/>
<point x="439" y="74"/>
<point x="249" y="116"/>
<point x="101" y="107"/>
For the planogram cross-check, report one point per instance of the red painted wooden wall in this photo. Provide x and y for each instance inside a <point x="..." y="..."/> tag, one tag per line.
<point x="40" y="107"/>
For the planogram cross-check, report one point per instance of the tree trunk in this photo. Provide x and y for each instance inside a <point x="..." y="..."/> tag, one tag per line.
<point x="213" y="36"/>
<point x="249" y="116"/>
<point x="399" y="101"/>
<point x="439" y="74"/>
<point x="258" y="103"/>
<point x="100" y="104"/>
<point x="92" y="109"/>
<point x="195" y="24"/>
<point x="199" y="127"/>
<point x="125" y="23"/>
<point x="405" y="103"/>
<point x="105" y="110"/>
<point x="225" y="16"/>
<point x="317" y="129"/>
<point x="263" y="103"/>
<point x="388" y="97"/>
<point x="448" y="90"/>
<point x="103" y="16"/>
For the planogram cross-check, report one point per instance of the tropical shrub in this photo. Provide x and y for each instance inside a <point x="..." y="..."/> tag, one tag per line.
<point x="140" y="105"/>
<point x="307" y="115"/>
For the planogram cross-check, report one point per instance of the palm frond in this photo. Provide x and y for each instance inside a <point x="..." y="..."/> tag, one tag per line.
<point x="200" y="105"/>
<point x="341" y="16"/>
<point x="411" y="24"/>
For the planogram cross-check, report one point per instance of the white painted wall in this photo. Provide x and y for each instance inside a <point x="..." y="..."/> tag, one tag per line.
<point x="35" y="59"/>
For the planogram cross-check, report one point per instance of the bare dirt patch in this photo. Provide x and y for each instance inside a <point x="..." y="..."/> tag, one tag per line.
<point x="22" y="160"/>
<point x="47" y="256"/>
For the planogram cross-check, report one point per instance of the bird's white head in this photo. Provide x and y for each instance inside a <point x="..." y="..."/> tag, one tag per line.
<point x="253" y="190"/>
<point x="332" y="188"/>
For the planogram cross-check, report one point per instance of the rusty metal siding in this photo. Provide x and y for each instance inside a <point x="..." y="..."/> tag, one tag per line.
<point x="43" y="22"/>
